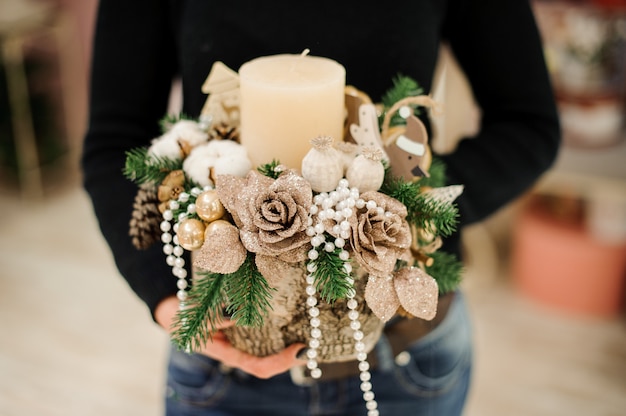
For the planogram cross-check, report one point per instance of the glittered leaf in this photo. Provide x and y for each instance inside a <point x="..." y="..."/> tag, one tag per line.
<point x="381" y="297"/>
<point x="222" y="251"/>
<point x="272" y="269"/>
<point x="228" y="188"/>
<point x="417" y="292"/>
<point x="445" y="194"/>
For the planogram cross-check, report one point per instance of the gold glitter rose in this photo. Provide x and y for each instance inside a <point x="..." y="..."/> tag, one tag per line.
<point x="271" y="214"/>
<point x="380" y="235"/>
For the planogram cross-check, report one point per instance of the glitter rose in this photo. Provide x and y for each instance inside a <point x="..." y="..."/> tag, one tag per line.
<point x="271" y="214"/>
<point x="379" y="237"/>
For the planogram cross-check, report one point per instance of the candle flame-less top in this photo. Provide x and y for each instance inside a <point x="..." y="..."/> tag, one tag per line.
<point x="289" y="71"/>
<point x="287" y="100"/>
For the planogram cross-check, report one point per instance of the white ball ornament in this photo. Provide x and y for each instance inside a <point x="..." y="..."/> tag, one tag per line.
<point x="366" y="172"/>
<point x="322" y="166"/>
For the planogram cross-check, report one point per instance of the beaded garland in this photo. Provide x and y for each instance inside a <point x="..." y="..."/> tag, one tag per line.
<point x="337" y="206"/>
<point x="171" y="245"/>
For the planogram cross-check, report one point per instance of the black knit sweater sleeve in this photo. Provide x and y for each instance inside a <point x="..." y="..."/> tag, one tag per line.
<point x="498" y="47"/>
<point x="132" y="69"/>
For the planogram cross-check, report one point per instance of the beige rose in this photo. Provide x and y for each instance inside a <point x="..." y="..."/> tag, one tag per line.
<point x="378" y="240"/>
<point x="271" y="214"/>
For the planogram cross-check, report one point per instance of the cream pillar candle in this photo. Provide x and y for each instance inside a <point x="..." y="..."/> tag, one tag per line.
<point x="287" y="100"/>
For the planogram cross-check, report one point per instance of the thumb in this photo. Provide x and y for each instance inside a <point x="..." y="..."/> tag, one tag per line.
<point x="298" y="352"/>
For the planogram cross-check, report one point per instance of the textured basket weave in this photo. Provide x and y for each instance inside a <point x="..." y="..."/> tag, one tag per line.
<point x="288" y="323"/>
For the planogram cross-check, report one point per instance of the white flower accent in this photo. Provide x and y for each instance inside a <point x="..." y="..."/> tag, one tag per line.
<point x="217" y="157"/>
<point x="183" y="134"/>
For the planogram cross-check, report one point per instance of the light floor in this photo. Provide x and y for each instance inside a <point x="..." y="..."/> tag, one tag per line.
<point x="76" y="342"/>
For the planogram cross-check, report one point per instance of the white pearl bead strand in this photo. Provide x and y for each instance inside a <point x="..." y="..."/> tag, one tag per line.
<point x="171" y="248"/>
<point x="337" y="206"/>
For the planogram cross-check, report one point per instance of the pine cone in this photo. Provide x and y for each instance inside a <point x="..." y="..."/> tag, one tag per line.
<point x="145" y="224"/>
<point x="224" y="131"/>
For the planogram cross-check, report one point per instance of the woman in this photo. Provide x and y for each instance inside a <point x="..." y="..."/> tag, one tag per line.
<point x="141" y="45"/>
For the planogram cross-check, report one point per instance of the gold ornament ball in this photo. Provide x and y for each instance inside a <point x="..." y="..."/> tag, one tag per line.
<point x="191" y="234"/>
<point x="208" y="206"/>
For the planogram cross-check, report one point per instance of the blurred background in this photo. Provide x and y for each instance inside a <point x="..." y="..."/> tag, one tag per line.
<point x="545" y="276"/>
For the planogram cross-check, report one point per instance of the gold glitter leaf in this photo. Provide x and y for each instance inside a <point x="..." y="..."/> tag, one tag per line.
<point x="272" y="269"/>
<point x="228" y="188"/>
<point x="418" y="292"/>
<point x="381" y="297"/>
<point x="222" y="251"/>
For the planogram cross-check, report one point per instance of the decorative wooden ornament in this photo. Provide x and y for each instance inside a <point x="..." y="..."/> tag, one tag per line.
<point x="367" y="132"/>
<point x="409" y="153"/>
<point x="354" y="99"/>
<point x="222" y="85"/>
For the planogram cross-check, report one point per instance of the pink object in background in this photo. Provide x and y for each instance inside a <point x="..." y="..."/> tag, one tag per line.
<point x="559" y="263"/>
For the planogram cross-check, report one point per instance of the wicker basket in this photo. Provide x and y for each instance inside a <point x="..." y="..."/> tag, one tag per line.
<point x="288" y="322"/>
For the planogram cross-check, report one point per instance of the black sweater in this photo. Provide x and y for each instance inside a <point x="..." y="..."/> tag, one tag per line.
<point x="141" y="45"/>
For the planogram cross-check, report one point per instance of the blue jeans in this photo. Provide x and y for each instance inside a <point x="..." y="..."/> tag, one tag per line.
<point x="430" y="378"/>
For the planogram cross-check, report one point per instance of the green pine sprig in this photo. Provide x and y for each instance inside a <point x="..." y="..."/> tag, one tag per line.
<point x="195" y="323"/>
<point x="249" y="295"/>
<point x="437" y="174"/>
<point x="331" y="278"/>
<point x="404" y="191"/>
<point x="245" y="294"/>
<point x="270" y="169"/>
<point x="402" y="87"/>
<point x="422" y="211"/>
<point x="434" y="216"/>
<point x="142" y="168"/>
<point x="446" y="270"/>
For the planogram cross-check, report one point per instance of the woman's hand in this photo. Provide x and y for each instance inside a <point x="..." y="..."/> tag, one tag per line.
<point x="219" y="348"/>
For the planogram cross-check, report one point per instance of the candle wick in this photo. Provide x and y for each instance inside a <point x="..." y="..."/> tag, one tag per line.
<point x="305" y="52"/>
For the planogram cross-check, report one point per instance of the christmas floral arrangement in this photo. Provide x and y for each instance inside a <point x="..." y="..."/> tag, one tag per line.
<point x="323" y="253"/>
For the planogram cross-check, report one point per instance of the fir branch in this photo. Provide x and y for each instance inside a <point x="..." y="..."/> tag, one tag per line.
<point x="270" y="169"/>
<point x="249" y="294"/>
<point x="402" y="87"/>
<point x="142" y="168"/>
<point x="404" y="191"/>
<point x="437" y="172"/>
<point x="446" y="270"/>
<point x="331" y="279"/>
<point x="433" y="216"/>
<point x="194" y="324"/>
<point x="422" y="210"/>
